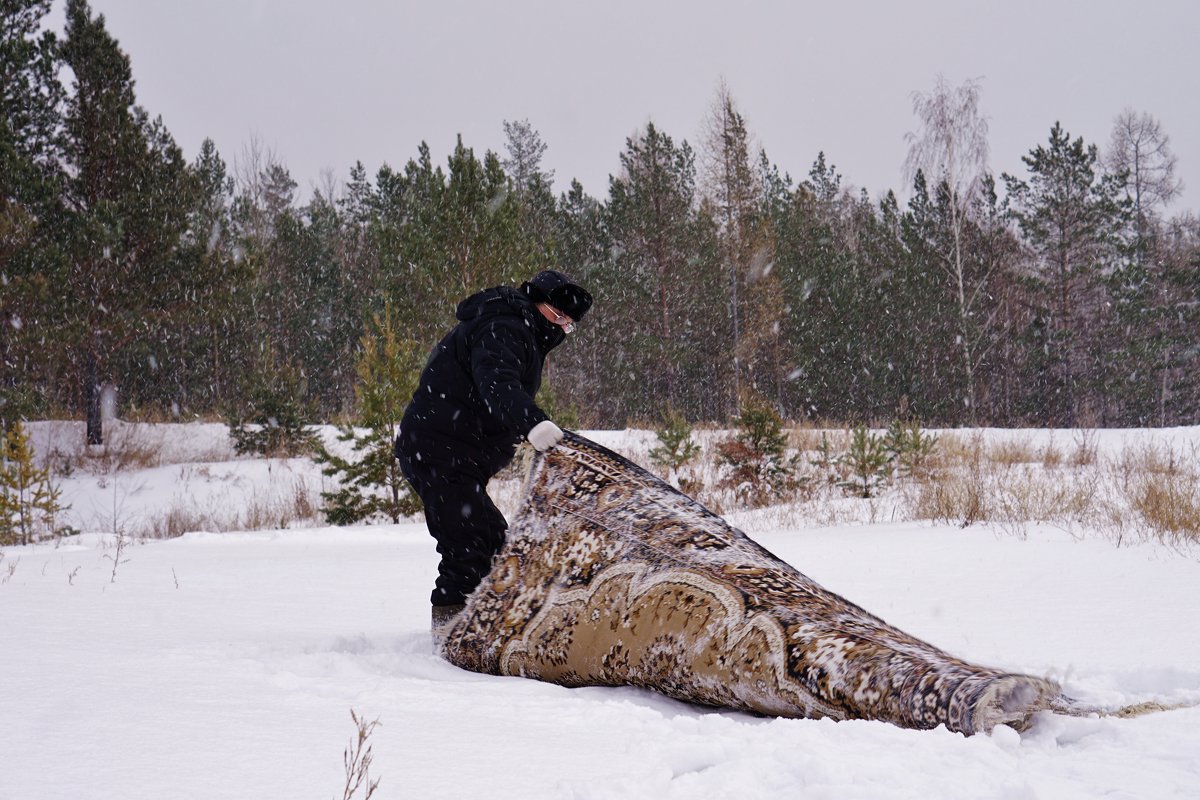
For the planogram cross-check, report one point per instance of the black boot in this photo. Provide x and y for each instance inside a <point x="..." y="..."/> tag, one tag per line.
<point x="440" y="621"/>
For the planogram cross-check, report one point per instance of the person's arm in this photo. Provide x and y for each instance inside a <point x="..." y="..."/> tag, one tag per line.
<point x="498" y="357"/>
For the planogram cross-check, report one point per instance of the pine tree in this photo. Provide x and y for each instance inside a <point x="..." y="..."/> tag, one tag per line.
<point x="406" y="239"/>
<point x="868" y="459"/>
<point x="525" y="151"/>
<point x="759" y="468"/>
<point x="324" y="318"/>
<point x="1170" y="376"/>
<point x="676" y="448"/>
<point x="1140" y="160"/>
<point x="661" y="278"/>
<point x="531" y="188"/>
<point x="1071" y="216"/>
<point x="898" y="344"/>
<point x="359" y="251"/>
<point x="30" y="92"/>
<point x="214" y="335"/>
<point x="582" y="248"/>
<point x="32" y="261"/>
<point x="998" y="309"/>
<point x="127" y="176"/>
<point x="446" y="234"/>
<point x="955" y="307"/>
<point x="845" y="276"/>
<point x="817" y="286"/>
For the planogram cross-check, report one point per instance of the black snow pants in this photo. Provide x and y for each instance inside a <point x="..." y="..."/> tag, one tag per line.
<point x="468" y="527"/>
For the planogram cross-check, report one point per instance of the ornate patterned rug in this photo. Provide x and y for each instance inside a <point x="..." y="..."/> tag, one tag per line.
<point x="612" y="577"/>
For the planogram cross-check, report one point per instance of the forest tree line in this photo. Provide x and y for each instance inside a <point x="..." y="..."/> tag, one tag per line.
<point x="1066" y="295"/>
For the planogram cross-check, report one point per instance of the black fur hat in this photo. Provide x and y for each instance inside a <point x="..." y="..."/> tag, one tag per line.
<point x="553" y="287"/>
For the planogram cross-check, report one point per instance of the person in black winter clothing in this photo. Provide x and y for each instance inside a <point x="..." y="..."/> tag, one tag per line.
<point x="473" y="406"/>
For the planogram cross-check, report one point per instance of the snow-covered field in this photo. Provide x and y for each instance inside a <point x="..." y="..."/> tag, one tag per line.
<point x="227" y="664"/>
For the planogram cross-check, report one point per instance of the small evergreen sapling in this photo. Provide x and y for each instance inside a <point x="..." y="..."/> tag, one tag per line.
<point x="909" y="446"/>
<point x="387" y="367"/>
<point x="869" y="460"/>
<point x="676" y="448"/>
<point x="274" y="421"/>
<point x="28" y="497"/>
<point x="827" y="460"/>
<point x="760" y="468"/>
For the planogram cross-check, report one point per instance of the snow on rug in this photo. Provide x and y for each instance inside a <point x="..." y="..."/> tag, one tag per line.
<point x="612" y="577"/>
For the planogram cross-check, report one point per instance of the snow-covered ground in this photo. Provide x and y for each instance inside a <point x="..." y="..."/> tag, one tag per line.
<point x="227" y="664"/>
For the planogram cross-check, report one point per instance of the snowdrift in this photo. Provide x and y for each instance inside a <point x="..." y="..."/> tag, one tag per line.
<point x="612" y="577"/>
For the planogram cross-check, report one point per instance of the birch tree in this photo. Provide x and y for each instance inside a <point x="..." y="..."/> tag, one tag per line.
<point x="951" y="149"/>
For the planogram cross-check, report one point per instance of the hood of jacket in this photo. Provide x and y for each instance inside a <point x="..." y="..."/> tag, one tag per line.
<point x="509" y="302"/>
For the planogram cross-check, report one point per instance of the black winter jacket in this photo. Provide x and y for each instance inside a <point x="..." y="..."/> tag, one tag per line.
<point x="476" y="395"/>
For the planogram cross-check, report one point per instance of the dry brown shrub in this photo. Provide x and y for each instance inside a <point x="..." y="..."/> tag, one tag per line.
<point x="805" y="439"/>
<point x="954" y="451"/>
<point x="1134" y="466"/>
<point x="280" y="512"/>
<point x="960" y="498"/>
<point x="263" y="515"/>
<point x="1013" y="452"/>
<point x="126" y="447"/>
<point x="1148" y="489"/>
<point x="995" y="491"/>
<point x="146" y="415"/>
<point x="1161" y="461"/>
<point x="304" y="503"/>
<point x="1029" y="496"/>
<point x="175" y="522"/>
<point x="692" y="487"/>
<point x="1085" y="452"/>
<point x="1052" y="457"/>
<point x="1169" y="505"/>
<point x="956" y="447"/>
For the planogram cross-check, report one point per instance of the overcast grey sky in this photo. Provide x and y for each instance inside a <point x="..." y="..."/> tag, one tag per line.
<point x="324" y="84"/>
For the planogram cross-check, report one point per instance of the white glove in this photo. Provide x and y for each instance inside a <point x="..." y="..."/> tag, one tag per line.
<point x="545" y="435"/>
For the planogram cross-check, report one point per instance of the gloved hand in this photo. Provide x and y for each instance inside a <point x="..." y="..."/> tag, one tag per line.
<point x="545" y="435"/>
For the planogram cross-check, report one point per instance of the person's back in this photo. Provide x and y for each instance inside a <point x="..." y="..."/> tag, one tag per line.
<point x="478" y="387"/>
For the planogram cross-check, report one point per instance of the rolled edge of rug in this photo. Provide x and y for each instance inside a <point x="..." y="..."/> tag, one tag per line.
<point x="1012" y="700"/>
